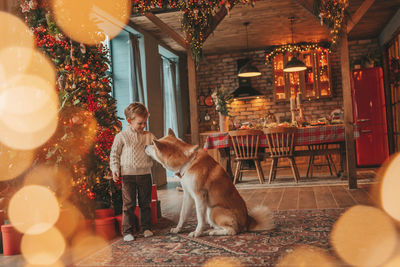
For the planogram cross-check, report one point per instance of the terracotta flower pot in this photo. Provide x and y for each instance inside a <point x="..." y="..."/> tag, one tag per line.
<point x="104" y="213"/>
<point x="1" y="217"/>
<point x="11" y="240"/>
<point x="105" y="227"/>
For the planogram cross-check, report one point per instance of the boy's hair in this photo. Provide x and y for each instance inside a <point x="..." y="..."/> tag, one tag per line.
<point x="136" y="108"/>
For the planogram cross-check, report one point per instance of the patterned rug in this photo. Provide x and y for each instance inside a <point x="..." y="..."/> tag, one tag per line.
<point x="296" y="227"/>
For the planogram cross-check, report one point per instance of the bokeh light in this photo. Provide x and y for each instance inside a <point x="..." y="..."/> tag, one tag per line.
<point x="223" y="262"/>
<point x="56" y="264"/>
<point x="28" y="112"/>
<point x="14" y="32"/>
<point x="29" y="105"/>
<point x="57" y="179"/>
<point x="390" y="184"/>
<point x="68" y="220"/>
<point x="85" y="244"/>
<point x="307" y="256"/>
<point x="394" y="262"/>
<point x="13" y="162"/>
<point x="85" y="130"/>
<point x="90" y="21"/>
<point x="33" y="209"/>
<point x="364" y="236"/>
<point x="24" y="140"/>
<point x="15" y="60"/>
<point x="43" y="249"/>
<point x="21" y="61"/>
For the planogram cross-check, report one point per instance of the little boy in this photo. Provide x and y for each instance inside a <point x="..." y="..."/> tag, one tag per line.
<point x="127" y="158"/>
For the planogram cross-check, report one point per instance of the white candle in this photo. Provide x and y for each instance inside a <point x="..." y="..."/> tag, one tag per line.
<point x="299" y="99"/>
<point x="292" y="103"/>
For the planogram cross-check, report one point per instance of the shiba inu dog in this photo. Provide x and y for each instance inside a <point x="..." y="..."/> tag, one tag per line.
<point x="207" y="184"/>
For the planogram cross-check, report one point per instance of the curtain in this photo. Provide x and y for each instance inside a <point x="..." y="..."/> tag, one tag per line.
<point x="171" y="101"/>
<point x="136" y="80"/>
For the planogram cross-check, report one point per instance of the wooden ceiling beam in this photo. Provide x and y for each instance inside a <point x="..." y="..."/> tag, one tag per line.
<point x="167" y="29"/>
<point x="356" y="17"/>
<point x="218" y="17"/>
<point x="306" y="6"/>
<point x="144" y="32"/>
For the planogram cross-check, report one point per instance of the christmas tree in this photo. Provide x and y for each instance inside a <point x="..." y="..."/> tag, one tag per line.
<point x="87" y="117"/>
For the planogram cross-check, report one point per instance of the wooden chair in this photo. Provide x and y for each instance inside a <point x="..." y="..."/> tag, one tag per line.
<point x="246" y="144"/>
<point x="280" y="141"/>
<point x="320" y="150"/>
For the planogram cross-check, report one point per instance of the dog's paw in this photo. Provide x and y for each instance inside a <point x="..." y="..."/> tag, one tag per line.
<point x="194" y="234"/>
<point x="212" y="232"/>
<point x="175" y="230"/>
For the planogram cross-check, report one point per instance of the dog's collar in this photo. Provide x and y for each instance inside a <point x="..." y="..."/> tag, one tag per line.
<point x="185" y="166"/>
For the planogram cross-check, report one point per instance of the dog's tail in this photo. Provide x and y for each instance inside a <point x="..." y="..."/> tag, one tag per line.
<point x="260" y="219"/>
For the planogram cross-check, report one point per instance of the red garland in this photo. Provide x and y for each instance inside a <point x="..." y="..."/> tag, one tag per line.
<point x="103" y="145"/>
<point x="43" y="39"/>
<point x="89" y="193"/>
<point x="91" y="104"/>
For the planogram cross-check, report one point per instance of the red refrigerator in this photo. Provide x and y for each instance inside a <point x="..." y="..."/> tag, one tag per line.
<point x="370" y="116"/>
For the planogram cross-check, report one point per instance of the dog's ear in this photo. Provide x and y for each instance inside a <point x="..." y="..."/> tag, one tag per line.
<point x="171" y="133"/>
<point x="191" y="150"/>
<point x="158" y="144"/>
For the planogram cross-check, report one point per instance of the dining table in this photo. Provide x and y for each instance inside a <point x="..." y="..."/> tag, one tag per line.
<point x="304" y="136"/>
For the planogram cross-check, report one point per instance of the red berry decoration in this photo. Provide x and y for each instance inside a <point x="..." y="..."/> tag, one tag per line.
<point x="67" y="67"/>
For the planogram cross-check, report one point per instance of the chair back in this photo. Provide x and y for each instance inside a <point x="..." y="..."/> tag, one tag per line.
<point x="280" y="141"/>
<point x="246" y="143"/>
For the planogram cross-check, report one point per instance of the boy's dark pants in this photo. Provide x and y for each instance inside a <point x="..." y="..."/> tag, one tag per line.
<point x="130" y="185"/>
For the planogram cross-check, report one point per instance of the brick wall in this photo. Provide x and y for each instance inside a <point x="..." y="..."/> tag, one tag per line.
<point x="221" y="69"/>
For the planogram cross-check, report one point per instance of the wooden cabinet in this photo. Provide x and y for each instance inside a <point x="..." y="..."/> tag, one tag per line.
<point x="314" y="82"/>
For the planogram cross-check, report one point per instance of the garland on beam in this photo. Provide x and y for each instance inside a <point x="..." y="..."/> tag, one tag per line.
<point x="197" y="17"/>
<point x="331" y="13"/>
<point x="272" y="51"/>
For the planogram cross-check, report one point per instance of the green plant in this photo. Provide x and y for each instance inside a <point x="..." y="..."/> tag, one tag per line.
<point x="222" y="98"/>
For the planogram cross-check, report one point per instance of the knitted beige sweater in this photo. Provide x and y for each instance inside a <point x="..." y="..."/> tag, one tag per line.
<point x="127" y="152"/>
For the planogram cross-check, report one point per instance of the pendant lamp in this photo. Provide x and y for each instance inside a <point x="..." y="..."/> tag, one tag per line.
<point x="248" y="69"/>
<point x="294" y="64"/>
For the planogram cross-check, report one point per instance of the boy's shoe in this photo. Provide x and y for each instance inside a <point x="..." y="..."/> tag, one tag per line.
<point x="128" y="238"/>
<point x="147" y="233"/>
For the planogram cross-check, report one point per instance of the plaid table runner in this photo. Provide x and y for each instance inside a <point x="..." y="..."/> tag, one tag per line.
<point x="304" y="136"/>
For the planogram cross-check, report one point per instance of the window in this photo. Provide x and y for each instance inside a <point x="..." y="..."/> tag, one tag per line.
<point x="126" y="70"/>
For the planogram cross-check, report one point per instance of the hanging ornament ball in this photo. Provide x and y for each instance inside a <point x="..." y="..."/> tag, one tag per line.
<point x="90" y="21"/>
<point x="67" y="67"/>
<point x="83" y="48"/>
<point x="76" y="120"/>
<point x="93" y="76"/>
<point x="57" y="61"/>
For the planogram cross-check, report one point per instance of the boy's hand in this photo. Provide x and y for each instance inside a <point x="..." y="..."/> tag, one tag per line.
<point x="116" y="176"/>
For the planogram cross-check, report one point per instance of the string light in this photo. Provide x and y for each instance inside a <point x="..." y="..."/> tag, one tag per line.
<point x="290" y="48"/>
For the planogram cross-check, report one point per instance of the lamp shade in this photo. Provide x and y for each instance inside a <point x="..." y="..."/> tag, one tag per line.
<point x="248" y="70"/>
<point x="294" y="65"/>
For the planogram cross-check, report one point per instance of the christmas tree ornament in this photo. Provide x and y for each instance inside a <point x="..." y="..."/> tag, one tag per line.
<point x="82" y="48"/>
